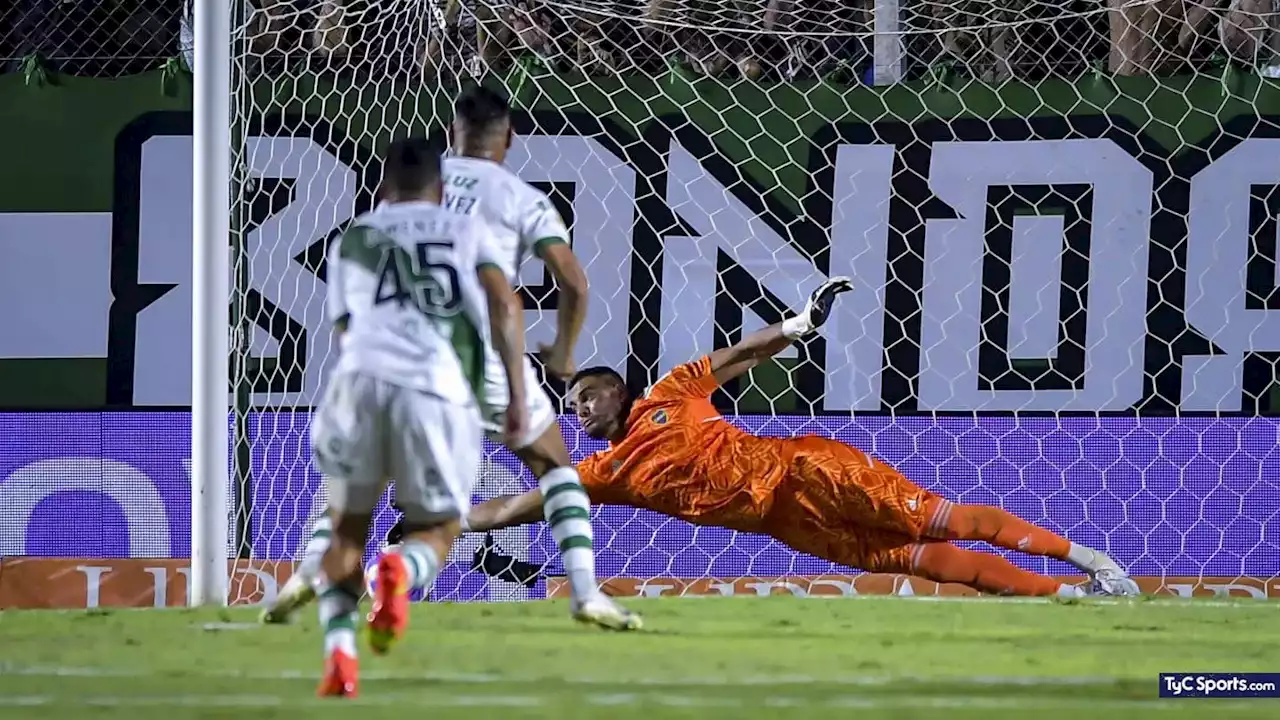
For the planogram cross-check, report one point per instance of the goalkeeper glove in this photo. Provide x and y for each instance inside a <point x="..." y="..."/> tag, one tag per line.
<point x="817" y="310"/>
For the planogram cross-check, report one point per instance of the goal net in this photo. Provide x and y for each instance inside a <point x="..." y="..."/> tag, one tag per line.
<point x="1060" y="218"/>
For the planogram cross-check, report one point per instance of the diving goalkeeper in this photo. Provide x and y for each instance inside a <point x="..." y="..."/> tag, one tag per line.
<point x="670" y="452"/>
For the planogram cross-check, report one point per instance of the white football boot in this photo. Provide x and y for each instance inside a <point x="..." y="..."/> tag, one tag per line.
<point x="297" y="591"/>
<point x="600" y="610"/>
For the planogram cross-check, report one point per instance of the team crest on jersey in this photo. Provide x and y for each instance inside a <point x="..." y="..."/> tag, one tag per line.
<point x="659" y="418"/>
<point x="616" y="465"/>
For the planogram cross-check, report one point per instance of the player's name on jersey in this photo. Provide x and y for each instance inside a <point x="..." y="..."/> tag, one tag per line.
<point x="69" y="583"/>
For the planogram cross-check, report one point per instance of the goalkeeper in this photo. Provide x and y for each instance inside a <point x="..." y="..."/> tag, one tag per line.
<point x="670" y="452"/>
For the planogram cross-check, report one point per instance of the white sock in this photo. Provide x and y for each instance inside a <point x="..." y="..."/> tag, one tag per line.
<point x="313" y="553"/>
<point x="421" y="561"/>
<point x="568" y="512"/>
<point x="338" y="618"/>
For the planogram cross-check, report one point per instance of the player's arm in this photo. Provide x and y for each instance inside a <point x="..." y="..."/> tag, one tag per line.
<point x="571" y="310"/>
<point x="507" y="511"/>
<point x="335" y="296"/>
<point x="506" y="329"/>
<point x="506" y="324"/>
<point x="544" y="232"/>
<point x="728" y="363"/>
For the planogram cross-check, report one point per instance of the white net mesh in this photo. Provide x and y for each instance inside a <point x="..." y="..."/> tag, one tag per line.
<point x="1034" y="241"/>
<point x="1061" y="218"/>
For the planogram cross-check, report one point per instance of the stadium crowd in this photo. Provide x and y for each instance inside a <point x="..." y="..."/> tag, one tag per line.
<point x="767" y="39"/>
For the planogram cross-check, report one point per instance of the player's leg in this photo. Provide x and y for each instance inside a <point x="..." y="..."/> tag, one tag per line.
<point x="879" y="550"/>
<point x="340" y="586"/>
<point x="568" y="512"/>
<point x="953" y="521"/>
<point x="434" y="460"/>
<point x="347" y="437"/>
<point x="564" y="502"/>
<point x="864" y="492"/>
<point x="299" y="589"/>
<point x="943" y="562"/>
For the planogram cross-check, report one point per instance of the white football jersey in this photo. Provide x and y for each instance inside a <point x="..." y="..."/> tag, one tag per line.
<point x="519" y="217"/>
<point x="404" y="278"/>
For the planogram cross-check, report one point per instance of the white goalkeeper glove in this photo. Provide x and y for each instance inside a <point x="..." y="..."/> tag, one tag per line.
<point x="817" y="310"/>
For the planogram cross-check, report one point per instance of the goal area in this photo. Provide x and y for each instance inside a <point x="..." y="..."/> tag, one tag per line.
<point x="1060" y="221"/>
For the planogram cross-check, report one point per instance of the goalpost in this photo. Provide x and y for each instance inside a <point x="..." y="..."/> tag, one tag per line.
<point x="1045" y="318"/>
<point x="210" y="302"/>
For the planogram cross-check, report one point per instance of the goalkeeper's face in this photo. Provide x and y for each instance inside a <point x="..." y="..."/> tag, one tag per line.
<point x="598" y="402"/>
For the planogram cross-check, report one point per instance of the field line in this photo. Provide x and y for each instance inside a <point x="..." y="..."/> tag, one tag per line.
<point x="940" y="702"/>
<point x="491" y="679"/>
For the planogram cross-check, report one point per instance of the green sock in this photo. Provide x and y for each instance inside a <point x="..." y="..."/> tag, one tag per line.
<point x="338" y="619"/>
<point x="421" y="561"/>
<point x="568" y="512"/>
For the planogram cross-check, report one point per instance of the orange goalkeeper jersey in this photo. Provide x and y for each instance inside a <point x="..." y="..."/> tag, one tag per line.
<point x="818" y="495"/>
<point x="680" y="458"/>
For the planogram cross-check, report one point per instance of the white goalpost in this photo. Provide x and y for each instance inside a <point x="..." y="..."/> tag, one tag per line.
<point x="210" y="303"/>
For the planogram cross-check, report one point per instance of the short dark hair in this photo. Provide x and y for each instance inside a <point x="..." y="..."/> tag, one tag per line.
<point x="481" y="107"/>
<point x="597" y="371"/>
<point x="412" y="165"/>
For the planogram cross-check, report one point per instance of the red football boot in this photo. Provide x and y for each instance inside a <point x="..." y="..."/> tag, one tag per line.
<point x="340" y="679"/>
<point x="390" y="614"/>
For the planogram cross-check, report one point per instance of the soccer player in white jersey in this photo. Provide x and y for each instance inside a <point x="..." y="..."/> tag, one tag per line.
<point x="523" y="222"/>
<point x="407" y="289"/>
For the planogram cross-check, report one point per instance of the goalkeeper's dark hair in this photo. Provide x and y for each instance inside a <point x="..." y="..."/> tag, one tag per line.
<point x="481" y="108"/>
<point x="607" y="372"/>
<point x="412" y="165"/>
<point x="598" y="371"/>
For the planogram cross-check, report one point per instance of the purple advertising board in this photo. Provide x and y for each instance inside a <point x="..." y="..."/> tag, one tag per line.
<point x="1167" y="496"/>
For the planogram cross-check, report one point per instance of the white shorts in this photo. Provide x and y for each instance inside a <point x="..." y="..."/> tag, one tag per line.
<point x="540" y="412"/>
<point x="368" y="431"/>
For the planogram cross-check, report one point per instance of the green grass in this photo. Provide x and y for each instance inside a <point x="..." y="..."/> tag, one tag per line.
<point x="703" y="657"/>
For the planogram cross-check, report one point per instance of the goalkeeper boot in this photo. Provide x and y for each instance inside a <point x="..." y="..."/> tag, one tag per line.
<point x="297" y="591"/>
<point x="340" y="676"/>
<point x="1107" y="578"/>
<point x="600" y="610"/>
<point x="390" y="615"/>
<point x="1113" y="582"/>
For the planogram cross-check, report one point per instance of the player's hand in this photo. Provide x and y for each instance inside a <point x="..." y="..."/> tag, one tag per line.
<point x="819" y="307"/>
<point x="557" y="360"/>
<point x="515" y="421"/>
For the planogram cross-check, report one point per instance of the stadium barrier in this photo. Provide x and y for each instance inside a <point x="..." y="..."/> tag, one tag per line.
<point x="65" y="583"/>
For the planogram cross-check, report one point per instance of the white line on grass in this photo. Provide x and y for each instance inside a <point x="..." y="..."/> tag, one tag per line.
<point x="490" y="679"/>
<point x="942" y="702"/>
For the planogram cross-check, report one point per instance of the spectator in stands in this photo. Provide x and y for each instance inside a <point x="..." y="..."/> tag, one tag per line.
<point x="737" y="40"/>
<point x="1250" y="31"/>
<point x="1141" y="32"/>
<point x="977" y="34"/>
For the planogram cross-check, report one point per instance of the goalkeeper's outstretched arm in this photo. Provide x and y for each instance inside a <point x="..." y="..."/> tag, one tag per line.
<point x="505" y="511"/>
<point x="728" y="363"/>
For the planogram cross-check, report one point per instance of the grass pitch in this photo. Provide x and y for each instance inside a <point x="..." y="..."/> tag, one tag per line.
<point x="698" y="658"/>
